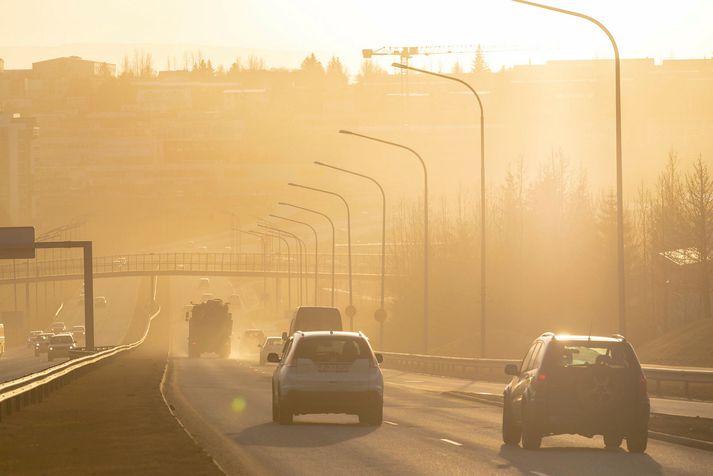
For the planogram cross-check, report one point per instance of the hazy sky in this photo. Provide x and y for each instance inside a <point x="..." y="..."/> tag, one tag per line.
<point x="653" y="28"/>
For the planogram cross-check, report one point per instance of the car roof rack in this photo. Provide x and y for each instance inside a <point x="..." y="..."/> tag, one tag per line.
<point x="619" y="336"/>
<point x="548" y="334"/>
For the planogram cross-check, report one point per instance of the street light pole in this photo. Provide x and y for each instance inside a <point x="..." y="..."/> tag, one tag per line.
<point x="425" y="225"/>
<point x="380" y="314"/>
<point x="316" y="249"/>
<point x="300" y="253"/>
<point x="619" y="178"/>
<point x="331" y="223"/>
<point x="350" y="310"/>
<point x="483" y="208"/>
<point x="289" y="259"/>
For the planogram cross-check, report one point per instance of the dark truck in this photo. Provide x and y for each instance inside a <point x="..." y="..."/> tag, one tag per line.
<point x="585" y="385"/>
<point x="210" y="325"/>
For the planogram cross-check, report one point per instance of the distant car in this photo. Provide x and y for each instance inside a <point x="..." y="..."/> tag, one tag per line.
<point x="57" y="327"/>
<point x="251" y="341"/>
<point x="79" y="333"/>
<point x="42" y="343"/>
<point x="235" y="301"/>
<point x="100" y="301"/>
<point x="32" y="338"/>
<point x="582" y="385"/>
<point x="59" y="346"/>
<point x="327" y="372"/>
<point x="203" y="283"/>
<point x="270" y="346"/>
<point x="314" y="318"/>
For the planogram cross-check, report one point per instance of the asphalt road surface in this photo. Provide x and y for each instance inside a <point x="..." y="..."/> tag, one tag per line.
<point x="226" y="405"/>
<point x="111" y="324"/>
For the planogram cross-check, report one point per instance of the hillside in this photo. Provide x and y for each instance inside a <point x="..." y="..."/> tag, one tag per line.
<point x="692" y="345"/>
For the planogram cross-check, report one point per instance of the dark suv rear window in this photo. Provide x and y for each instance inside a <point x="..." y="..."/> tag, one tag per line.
<point x="586" y="353"/>
<point x="332" y="349"/>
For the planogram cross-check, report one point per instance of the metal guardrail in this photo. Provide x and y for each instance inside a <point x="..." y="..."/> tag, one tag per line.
<point x="33" y="388"/>
<point x="493" y="370"/>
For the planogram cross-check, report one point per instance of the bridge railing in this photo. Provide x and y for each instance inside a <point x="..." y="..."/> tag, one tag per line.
<point x="189" y="261"/>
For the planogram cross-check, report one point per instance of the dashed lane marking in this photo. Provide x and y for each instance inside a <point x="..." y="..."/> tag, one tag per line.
<point x="451" y="442"/>
<point x="391" y="423"/>
<point x="537" y="473"/>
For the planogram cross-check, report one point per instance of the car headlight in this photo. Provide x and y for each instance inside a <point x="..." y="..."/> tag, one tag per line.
<point x="51" y="348"/>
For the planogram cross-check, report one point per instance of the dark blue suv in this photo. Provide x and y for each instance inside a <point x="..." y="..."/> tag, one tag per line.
<point x="582" y="385"/>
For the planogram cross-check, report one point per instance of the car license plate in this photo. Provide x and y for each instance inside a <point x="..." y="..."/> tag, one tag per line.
<point x="333" y="368"/>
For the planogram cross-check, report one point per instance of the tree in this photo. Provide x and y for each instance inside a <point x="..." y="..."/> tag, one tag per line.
<point x="256" y="63"/>
<point x="336" y="73"/>
<point x="457" y="68"/>
<point x="698" y="206"/>
<point x="479" y="63"/>
<point x="369" y="71"/>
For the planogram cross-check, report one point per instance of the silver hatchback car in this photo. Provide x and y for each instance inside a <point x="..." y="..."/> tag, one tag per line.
<point x="327" y="372"/>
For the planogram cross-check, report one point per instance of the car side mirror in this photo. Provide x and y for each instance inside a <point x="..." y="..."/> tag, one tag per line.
<point x="379" y="357"/>
<point x="511" y="369"/>
<point x="273" y="358"/>
<point x="284" y="336"/>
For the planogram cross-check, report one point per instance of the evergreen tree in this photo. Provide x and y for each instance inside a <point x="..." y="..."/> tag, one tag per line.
<point x="479" y="63"/>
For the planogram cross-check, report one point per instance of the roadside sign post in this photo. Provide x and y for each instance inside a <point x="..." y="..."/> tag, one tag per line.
<point x="19" y="243"/>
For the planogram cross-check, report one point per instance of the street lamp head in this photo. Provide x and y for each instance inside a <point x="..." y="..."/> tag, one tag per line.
<point x="292" y="184"/>
<point x="399" y="65"/>
<point x="344" y="131"/>
<point x="317" y="162"/>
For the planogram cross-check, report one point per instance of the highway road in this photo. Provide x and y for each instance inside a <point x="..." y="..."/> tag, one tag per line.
<point x="111" y="324"/>
<point x="226" y="405"/>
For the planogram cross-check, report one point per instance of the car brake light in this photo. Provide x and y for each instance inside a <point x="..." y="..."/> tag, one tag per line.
<point x="541" y="377"/>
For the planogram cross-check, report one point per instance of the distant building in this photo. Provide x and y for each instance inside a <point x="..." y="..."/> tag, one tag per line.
<point x="72" y="67"/>
<point x="17" y="136"/>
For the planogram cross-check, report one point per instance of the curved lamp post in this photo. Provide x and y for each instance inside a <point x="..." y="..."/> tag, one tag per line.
<point x="425" y="225"/>
<point x="350" y="310"/>
<point x="380" y="314"/>
<point x="289" y="259"/>
<point x="331" y="223"/>
<point x="316" y="249"/>
<point x="483" y="306"/>
<point x="301" y="253"/>
<point x="619" y="179"/>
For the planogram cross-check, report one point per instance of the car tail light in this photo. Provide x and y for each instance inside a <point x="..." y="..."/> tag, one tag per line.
<point x="541" y="377"/>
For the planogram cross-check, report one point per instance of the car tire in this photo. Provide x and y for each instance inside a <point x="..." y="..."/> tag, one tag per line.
<point x="612" y="442"/>
<point x="512" y="432"/>
<point x="531" y="433"/>
<point x="275" y="410"/>
<point x="374" y="416"/>
<point x="637" y="440"/>
<point x="284" y="414"/>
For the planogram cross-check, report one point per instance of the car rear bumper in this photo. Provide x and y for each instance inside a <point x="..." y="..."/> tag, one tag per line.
<point x="621" y="420"/>
<point x="301" y="402"/>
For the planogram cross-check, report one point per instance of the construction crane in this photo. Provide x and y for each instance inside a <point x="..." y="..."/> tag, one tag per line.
<point x="406" y="52"/>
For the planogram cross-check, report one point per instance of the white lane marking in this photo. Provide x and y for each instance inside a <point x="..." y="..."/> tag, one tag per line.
<point x="451" y="442"/>
<point x="537" y="473"/>
<point x="391" y="423"/>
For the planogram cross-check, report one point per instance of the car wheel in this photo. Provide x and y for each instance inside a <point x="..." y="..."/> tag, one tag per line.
<point x="612" y="442"/>
<point x="511" y="430"/>
<point x="275" y="409"/>
<point x="374" y="416"/>
<point x="637" y="440"/>
<point x="531" y="433"/>
<point x="284" y="414"/>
